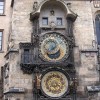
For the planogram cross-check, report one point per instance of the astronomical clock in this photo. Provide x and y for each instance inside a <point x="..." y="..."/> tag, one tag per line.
<point x="54" y="84"/>
<point x="50" y="54"/>
<point x="53" y="47"/>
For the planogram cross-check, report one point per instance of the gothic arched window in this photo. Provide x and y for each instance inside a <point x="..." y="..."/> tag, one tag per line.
<point x="97" y="24"/>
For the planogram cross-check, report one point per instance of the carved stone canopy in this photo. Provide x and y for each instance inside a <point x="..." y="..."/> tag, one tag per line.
<point x="69" y="12"/>
<point x="24" y="45"/>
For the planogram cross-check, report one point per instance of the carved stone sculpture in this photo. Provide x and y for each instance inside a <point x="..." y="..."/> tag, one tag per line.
<point x="52" y="25"/>
<point x="35" y="5"/>
<point x="11" y="44"/>
<point x="38" y="80"/>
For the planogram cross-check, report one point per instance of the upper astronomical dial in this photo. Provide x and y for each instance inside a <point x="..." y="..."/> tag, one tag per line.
<point x="53" y="47"/>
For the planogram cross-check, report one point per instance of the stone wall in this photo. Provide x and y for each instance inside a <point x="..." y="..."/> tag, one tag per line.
<point x="85" y="52"/>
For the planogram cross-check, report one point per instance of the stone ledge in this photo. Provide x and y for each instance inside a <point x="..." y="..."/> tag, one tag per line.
<point x="1" y="51"/>
<point x="89" y="50"/>
<point x="2" y="15"/>
<point x="93" y="88"/>
<point x="10" y="51"/>
<point x="15" y="90"/>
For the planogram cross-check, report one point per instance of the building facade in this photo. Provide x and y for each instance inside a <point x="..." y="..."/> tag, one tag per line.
<point x="5" y="16"/>
<point x="49" y="49"/>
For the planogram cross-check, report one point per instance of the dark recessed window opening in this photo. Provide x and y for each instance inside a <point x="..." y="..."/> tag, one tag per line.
<point x="97" y="24"/>
<point x="26" y="56"/>
<point x="44" y="21"/>
<point x="1" y="34"/>
<point x="1" y="6"/>
<point x="26" y="51"/>
<point x="59" y="21"/>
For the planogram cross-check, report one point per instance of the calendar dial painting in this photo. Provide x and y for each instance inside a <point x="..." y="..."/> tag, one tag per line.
<point x="54" y="84"/>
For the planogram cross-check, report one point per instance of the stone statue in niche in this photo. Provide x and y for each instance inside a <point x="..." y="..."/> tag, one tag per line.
<point x="35" y="38"/>
<point x="6" y="71"/>
<point x="38" y="80"/>
<point x="35" y="5"/>
<point x="11" y="44"/>
<point x="52" y="25"/>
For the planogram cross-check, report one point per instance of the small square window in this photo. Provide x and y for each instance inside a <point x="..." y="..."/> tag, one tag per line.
<point x="1" y="6"/>
<point x="59" y="21"/>
<point x="45" y="21"/>
<point x="26" y="57"/>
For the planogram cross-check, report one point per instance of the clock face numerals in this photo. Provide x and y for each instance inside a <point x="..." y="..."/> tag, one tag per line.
<point x="53" y="47"/>
<point x="54" y="84"/>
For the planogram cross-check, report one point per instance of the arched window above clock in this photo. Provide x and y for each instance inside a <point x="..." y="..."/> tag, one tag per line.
<point x="97" y="27"/>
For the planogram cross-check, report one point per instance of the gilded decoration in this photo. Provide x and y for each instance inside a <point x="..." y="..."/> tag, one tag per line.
<point x="53" y="47"/>
<point x="54" y="84"/>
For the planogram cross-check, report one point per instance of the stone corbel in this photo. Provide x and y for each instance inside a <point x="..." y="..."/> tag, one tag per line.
<point x="36" y="12"/>
<point x="34" y="15"/>
<point x="70" y="13"/>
